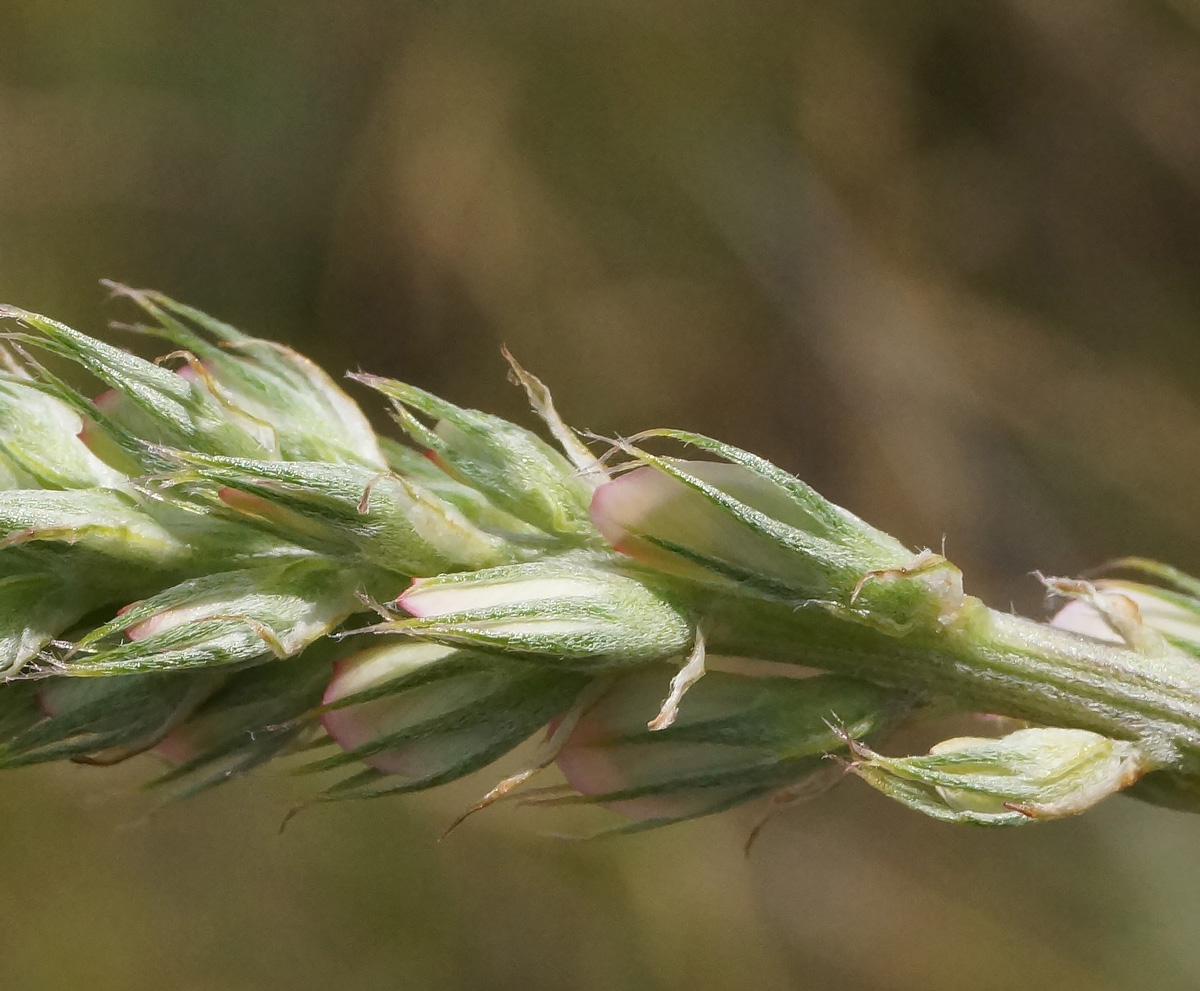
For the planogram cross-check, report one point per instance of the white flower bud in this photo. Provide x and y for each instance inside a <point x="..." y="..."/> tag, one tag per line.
<point x="562" y="609"/>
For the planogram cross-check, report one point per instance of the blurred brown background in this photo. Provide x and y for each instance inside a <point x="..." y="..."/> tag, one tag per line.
<point x="939" y="258"/>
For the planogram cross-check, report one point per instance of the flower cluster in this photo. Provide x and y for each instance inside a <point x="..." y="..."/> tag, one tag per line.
<point x="219" y="560"/>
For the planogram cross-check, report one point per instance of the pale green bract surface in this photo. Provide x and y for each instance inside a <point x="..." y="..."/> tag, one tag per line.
<point x="217" y="559"/>
<point x="1029" y="774"/>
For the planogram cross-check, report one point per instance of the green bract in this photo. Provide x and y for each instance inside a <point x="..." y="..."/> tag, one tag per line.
<point x="563" y="609"/>
<point x="736" y="737"/>
<point x="1030" y="774"/>
<point x="514" y="468"/>
<point x="421" y="714"/>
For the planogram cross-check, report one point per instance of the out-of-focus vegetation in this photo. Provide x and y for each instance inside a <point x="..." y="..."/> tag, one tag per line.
<point x="940" y="259"/>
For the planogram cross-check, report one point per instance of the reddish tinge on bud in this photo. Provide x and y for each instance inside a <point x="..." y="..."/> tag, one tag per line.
<point x="735" y="738"/>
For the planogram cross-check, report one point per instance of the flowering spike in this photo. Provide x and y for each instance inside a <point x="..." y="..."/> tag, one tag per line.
<point x="181" y="559"/>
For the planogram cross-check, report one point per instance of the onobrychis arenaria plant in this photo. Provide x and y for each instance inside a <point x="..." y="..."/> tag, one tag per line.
<point x="219" y="560"/>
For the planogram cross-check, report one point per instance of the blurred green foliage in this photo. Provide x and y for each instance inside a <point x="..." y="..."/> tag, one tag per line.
<point x="939" y="258"/>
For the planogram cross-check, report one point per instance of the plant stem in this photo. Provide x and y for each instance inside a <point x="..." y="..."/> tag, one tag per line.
<point x="985" y="660"/>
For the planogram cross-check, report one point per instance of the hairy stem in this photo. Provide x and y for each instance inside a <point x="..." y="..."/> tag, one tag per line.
<point x="985" y="660"/>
